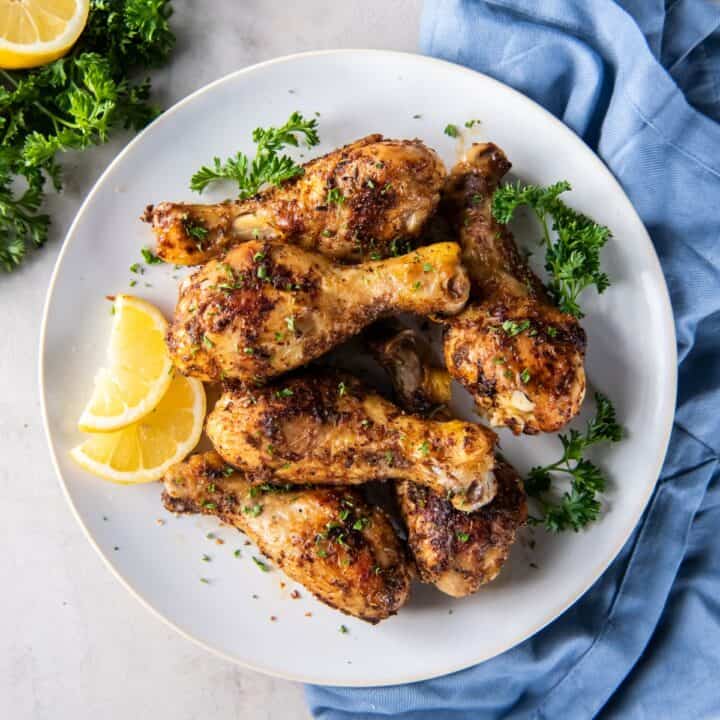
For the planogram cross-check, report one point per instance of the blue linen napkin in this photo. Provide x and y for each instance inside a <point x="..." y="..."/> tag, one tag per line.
<point x="639" y="80"/>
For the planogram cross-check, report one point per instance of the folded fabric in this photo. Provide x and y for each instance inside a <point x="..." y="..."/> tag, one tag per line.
<point x="639" y="80"/>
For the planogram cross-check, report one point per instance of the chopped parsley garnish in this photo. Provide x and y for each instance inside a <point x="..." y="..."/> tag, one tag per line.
<point x="209" y="505"/>
<point x="258" y="256"/>
<point x="137" y="268"/>
<point x="150" y="257"/>
<point x="335" y="197"/>
<point x="253" y="510"/>
<point x="579" y="505"/>
<point x="551" y="331"/>
<point x="268" y="166"/>
<point x="344" y="514"/>
<point x="228" y="470"/>
<point x="343" y="630"/>
<point x="513" y="328"/>
<point x="205" y="558"/>
<point x="427" y="267"/>
<point x="262" y="272"/>
<point x="525" y="376"/>
<point x="249" y="351"/>
<point x="285" y="392"/>
<point x="360" y="523"/>
<point x="198" y="232"/>
<point x="207" y="341"/>
<point x="263" y="566"/>
<point x="463" y="537"/>
<point x="471" y="123"/>
<point x="237" y="553"/>
<point x="451" y="130"/>
<point x="398" y="246"/>
<point x="342" y="389"/>
<point x="424" y="447"/>
<point x="572" y="257"/>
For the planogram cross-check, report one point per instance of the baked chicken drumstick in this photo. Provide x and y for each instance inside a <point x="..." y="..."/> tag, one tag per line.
<point x="328" y="539"/>
<point x="329" y="429"/>
<point x="355" y="202"/>
<point x="456" y="551"/>
<point x="266" y="308"/>
<point x="518" y="355"/>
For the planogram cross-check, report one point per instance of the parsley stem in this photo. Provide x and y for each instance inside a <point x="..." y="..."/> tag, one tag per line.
<point x="55" y="118"/>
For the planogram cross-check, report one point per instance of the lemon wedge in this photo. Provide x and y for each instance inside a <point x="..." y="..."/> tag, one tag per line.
<point x="139" y="370"/>
<point x="143" y="452"/>
<point x="35" y="32"/>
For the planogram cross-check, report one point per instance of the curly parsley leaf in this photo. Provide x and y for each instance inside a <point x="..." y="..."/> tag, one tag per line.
<point x="268" y="167"/>
<point x="71" y="104"/>
<point x="579" y="505"/>
<point x="572" y="256"/>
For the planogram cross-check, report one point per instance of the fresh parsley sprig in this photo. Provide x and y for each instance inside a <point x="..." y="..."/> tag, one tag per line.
<point x="579" y="505"/>
<point x="72" y="104"/>
<point x="268" y="166"/>
<point x="572" y="257"/>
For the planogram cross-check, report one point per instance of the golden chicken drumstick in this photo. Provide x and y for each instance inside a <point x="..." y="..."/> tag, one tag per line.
<point x="518" y="355"/>
<point x="329" y="429"/>
<point x="328" y="539"/>
<point x="357" y="202"/>
<point x="267" y="308"/>
<point x="456" y="551"/>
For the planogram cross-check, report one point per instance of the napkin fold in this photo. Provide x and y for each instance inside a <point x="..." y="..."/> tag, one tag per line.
<point x="639" y="80"/>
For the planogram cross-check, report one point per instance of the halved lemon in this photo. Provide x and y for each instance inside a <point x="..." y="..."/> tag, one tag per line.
<point x="35" y="32"/>
<point x="139" y="370"/>
<point x="143" y="451"/>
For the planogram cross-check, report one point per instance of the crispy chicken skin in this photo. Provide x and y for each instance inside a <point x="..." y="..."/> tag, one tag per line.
<point x="328" y="539"/>
<point x="456" y="551"/>
<point x="358" y="201"/>
<point x="512" y="349"/>
<point x="324" y="428"/>
<point x="267" y="308"/>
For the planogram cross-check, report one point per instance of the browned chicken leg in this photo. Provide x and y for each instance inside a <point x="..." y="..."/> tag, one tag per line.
<point x="328" y="539"/>
<point x="459" y="551"/>
<point x="325" y="429"/>
<point x="362" y="201"/>
<point x="267" y="308"/>
<point x="512" y="349"/>
<point x="456" y="551"/>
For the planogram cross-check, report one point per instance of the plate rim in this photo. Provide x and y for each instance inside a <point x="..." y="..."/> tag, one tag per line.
<point x="550" y="615"/>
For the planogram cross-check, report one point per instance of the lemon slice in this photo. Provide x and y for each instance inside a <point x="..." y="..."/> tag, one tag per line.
<point x="143" y="451"/>
<point x="35" y="32"/>
<point x="139" y="372"/>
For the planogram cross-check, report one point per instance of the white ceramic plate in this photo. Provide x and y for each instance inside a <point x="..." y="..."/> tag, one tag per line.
<point x="631" y="356"/>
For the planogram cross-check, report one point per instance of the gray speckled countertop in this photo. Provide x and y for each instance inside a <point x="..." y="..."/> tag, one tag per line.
<point x="73" y="643"/>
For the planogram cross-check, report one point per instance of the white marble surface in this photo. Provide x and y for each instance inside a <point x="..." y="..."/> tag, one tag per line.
<point x="73" y="643"/>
